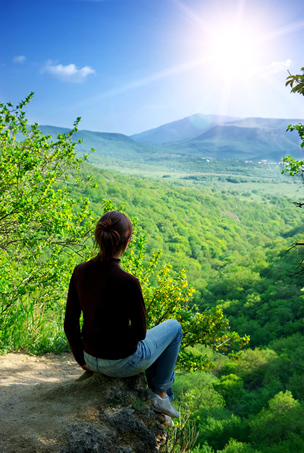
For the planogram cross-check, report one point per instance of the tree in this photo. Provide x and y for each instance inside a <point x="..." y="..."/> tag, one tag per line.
<point x="292" y="165"/>
<point x="283" y="421"/>
<point x="42" y="230"/>
<point x="238" y="447"/>
<point x="296" y="82"/>
<point x="231" y="387"/>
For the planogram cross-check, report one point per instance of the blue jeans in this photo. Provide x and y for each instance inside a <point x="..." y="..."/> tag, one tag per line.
<point x="156" y="355"/>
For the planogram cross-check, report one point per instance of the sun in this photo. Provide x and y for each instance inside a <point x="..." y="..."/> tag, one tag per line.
<point x="233" y="51"/>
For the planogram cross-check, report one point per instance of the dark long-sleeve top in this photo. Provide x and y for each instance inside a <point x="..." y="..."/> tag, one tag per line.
<point x="114" y="316"/>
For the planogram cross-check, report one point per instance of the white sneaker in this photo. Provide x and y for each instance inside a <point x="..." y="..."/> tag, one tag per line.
<point x="164" y="406"/>
<point x="169" y="423"/>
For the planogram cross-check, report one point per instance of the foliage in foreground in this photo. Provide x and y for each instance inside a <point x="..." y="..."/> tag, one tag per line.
<point x="44" y="232"/>
<point x="292" y="165"/>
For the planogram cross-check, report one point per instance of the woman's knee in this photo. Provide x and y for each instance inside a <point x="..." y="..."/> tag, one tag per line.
<point x="179" y="329"/>
<point x="174" y="324"/>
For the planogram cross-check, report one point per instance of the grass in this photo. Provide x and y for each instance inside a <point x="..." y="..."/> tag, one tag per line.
<point x="27" y="326"/>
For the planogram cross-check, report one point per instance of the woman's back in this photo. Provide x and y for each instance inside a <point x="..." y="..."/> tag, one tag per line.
<point x="109" y="298"/>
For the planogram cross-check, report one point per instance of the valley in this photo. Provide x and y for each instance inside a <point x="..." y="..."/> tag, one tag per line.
<point x="225" y="221"/>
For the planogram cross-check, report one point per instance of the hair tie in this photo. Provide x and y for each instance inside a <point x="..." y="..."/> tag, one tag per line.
<point x="106" y="225"/>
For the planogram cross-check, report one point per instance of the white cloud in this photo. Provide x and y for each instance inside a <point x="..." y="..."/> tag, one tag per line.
<point x="275" y="67"/>
<point x="19" y="59"/>
<point x="68" y="73"/>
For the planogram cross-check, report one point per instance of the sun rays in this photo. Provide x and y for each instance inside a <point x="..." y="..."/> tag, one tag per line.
<point x="229" y="49"/>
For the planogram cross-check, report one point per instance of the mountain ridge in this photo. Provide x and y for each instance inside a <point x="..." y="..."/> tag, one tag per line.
<point x="218" y="137"/>
<point x="188" y="127"/>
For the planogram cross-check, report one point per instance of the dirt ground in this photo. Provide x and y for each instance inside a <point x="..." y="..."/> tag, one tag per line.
<point x="23" y="380"/>
<point x="21" y="369"/>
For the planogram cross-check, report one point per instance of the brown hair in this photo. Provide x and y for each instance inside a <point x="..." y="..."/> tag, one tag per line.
<point x="112" y="232"/>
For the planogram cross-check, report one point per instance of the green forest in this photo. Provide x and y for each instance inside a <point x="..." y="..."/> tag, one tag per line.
<point x="235" y="254"/>
<point x="217" y="258"/>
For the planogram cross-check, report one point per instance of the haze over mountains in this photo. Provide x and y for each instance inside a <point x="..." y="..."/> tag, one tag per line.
<point x="199" y="135"/>
<point x="186" y="128"/>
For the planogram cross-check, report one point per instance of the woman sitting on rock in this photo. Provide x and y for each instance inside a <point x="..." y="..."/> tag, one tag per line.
<point x="114" y="340"/>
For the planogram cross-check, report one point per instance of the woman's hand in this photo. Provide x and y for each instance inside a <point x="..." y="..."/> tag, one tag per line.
<point x="84" y="367"/>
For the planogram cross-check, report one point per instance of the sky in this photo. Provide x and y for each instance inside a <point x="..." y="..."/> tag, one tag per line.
<point x="132" y="65"/>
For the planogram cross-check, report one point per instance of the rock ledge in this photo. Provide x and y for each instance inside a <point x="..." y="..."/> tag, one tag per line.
<point x="94" y="413"/>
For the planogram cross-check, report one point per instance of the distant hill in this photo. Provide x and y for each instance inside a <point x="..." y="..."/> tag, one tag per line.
<point x="105" y="143"/>
<point x="196" y="136"/>
<point x="248" y="138"/>
<point x="87" y="135"/>
<point x="186" y="128"/>
<point x="233" y="141"/>
<point x="264" y="123"/>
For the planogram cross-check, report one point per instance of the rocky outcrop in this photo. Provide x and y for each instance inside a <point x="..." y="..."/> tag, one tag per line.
<point x="92" y="414"/>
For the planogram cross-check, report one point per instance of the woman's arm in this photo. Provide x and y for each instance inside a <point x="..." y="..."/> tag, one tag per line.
<point x="137" y="312"/>
<point x="71" y="322"/>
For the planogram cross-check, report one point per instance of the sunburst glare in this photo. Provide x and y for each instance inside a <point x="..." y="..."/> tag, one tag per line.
<point x="233" y="51"/>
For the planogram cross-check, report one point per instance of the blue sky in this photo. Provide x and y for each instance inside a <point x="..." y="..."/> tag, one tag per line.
<point x="131" y="65"/>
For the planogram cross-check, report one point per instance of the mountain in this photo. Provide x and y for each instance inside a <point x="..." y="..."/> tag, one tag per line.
<point x="248" y="138"/>
<point x="233" y="141"/>
<point x="186" y="128"/>
<point x="195" y="136"/>
<point x="105" y="143"/>
<point x="265" y="123"/>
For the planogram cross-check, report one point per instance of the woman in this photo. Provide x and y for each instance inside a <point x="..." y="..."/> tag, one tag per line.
<point x="114" y="340"/>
